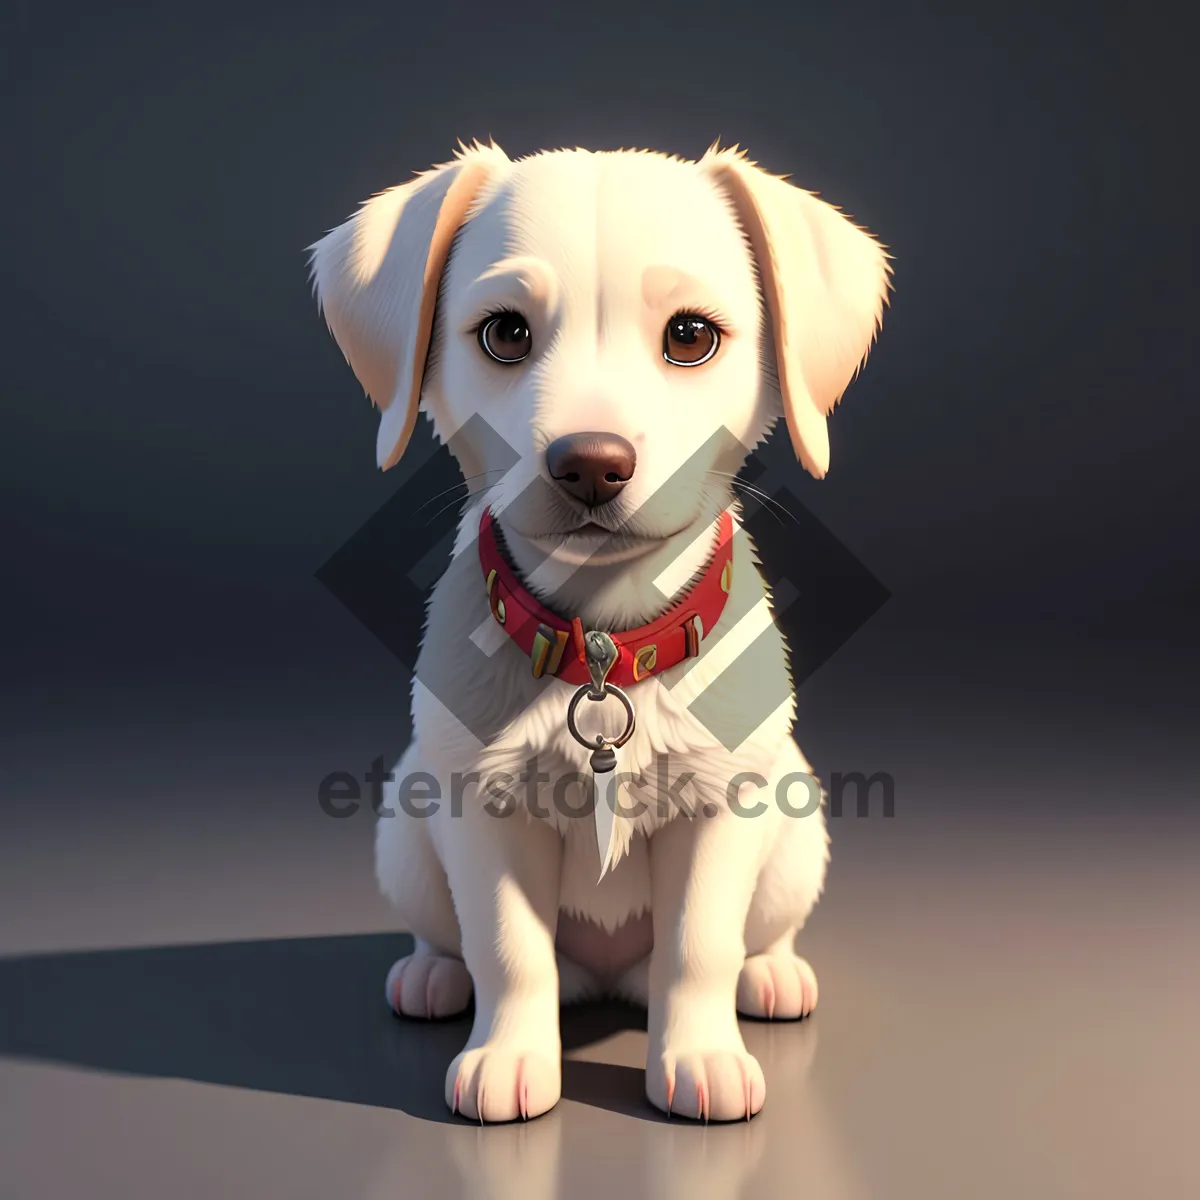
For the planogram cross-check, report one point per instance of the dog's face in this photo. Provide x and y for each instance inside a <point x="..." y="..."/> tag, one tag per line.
<point x="588" y="331"/>
<point x="606" y="295"/>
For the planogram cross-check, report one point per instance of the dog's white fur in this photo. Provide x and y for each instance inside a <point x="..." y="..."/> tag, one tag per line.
<point x="598" y="251"/>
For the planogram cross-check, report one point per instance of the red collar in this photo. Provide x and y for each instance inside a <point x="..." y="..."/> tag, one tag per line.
<point x="555" y="646"/>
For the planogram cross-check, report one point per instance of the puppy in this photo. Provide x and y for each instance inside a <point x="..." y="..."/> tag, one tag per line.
<point x="602" y="339"/>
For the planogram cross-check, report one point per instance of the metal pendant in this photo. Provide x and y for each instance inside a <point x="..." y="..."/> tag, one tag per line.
<point x="603" y="760"/>
<point x="601" y="654"/>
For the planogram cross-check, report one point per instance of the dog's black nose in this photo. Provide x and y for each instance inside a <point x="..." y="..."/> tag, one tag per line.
<point x="592" y="467"/>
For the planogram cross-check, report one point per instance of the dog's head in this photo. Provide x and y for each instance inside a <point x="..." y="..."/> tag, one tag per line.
<point x="601" y="338"/>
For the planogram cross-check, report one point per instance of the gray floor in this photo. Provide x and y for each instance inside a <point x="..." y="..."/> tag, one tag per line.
<point x="190" y="999"/>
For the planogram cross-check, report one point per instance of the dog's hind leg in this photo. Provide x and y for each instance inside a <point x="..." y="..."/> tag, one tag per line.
<point x="426" y="984"/>
<point x="432" y="981"/>
<point x="775" y="983"/>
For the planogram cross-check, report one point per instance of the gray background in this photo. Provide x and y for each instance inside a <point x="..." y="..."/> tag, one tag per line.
<point x="1007" y="966"/>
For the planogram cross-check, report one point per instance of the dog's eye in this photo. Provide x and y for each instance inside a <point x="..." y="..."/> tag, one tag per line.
<point x="689" y="340"/>
<point x="506" y="337"/>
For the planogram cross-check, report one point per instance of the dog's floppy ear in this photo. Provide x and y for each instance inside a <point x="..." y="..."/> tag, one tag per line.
<point x="825" y="282"/>
<point x="376" y="278"/>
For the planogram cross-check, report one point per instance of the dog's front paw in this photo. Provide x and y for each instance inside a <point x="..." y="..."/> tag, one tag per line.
<point x="502" y="1083"/>
<point x="706" y="1085"/>
<point x="776" y="987"/>
<point x="428" y="986"/>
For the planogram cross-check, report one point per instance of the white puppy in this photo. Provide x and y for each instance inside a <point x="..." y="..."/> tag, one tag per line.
<point x="602" y="338"/>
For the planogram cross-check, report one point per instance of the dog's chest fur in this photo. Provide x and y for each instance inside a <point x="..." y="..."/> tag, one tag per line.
<point x="507" y="723"/>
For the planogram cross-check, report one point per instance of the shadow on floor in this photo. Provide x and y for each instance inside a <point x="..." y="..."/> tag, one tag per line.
<point x="303" y="1016"/>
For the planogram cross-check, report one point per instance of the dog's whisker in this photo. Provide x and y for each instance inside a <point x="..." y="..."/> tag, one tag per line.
<point x="768" y="502"/>
<point x="462" y="483"/>
<point x="446" y="508"/>
<point x="748" y="489"/>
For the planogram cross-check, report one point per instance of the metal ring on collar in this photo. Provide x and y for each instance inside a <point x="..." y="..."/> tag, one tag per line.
<point x="598" y="741"/>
